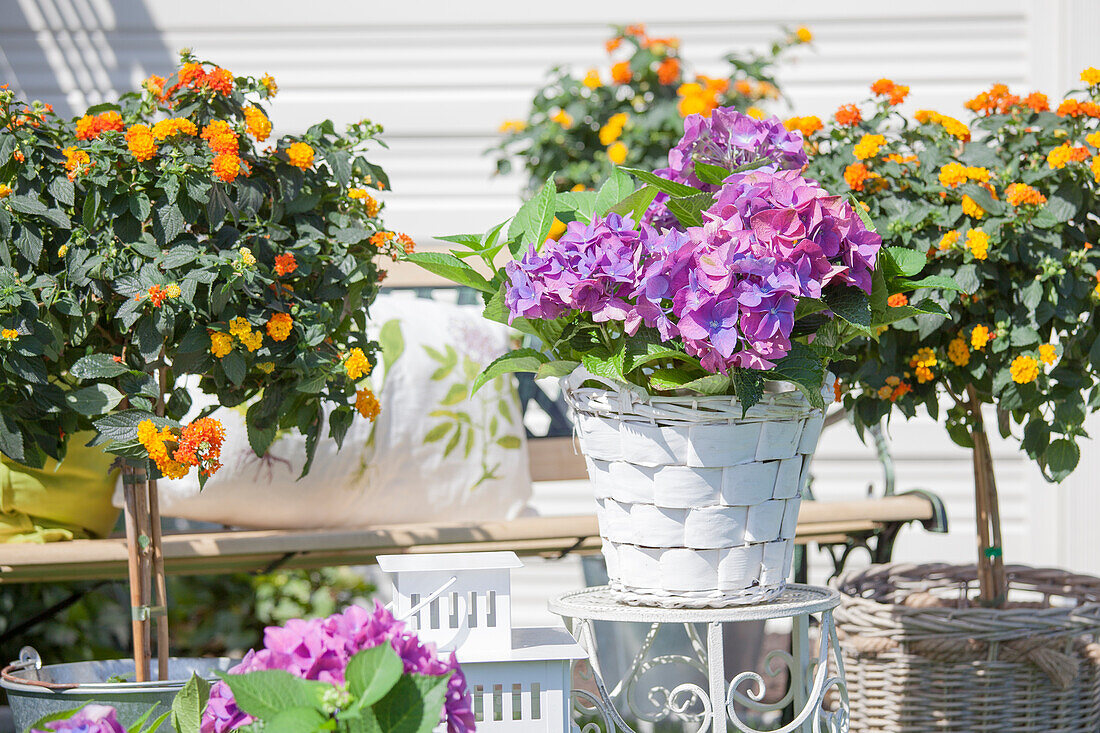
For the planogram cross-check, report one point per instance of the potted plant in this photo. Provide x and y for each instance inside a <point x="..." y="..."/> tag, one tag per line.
<point x="674" y="345"/>
<point x="355" y="670"/>
<point x="158" y="238"/>
<point x="1002" y="204"/>
<point x="580" y="127"/>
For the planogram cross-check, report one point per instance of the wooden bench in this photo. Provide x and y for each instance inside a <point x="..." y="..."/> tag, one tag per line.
<point x="846" y="524"/>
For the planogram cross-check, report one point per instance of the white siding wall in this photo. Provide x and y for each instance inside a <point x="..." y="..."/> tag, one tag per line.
<point x="442" y="75"/>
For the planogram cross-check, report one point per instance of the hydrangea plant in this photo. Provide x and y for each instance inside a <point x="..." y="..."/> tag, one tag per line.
<point x="1001" y="201"/>
<point x="580" y="127"/>
<point x="762" y="275"/>
<point x="356" y="670"/>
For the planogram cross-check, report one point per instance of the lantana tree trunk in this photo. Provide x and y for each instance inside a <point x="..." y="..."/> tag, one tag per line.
<point x="991" y="574"/>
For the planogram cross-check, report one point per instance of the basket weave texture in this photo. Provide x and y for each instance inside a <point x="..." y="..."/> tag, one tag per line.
<point x="697" y="504"/>
<point x="921" y="656"/>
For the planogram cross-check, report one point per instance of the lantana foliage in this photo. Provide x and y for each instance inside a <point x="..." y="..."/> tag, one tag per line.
<point x="1003" y="202"/>
<point x="579" y="127"/>
<point x="158" y="238"/>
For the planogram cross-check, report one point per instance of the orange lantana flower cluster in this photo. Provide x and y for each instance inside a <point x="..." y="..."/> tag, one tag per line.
<point x="257" y="123"/>
<point x="90" y="127"/>
<point x="895" y="93"/>
<point x="279" y="326"/>
<point x="806" y="125"/>
<point x="196" y="444"/>
<point x="285" y="264"/>
<point x="1019" y="194"/>
<point x="701" y="96"/>
<point x="195" y="77"/>
<point x="172" y="126"/>
<point x="223" y="141"/>
<point x="300" y="155"/>
<point x="367" y="403"/>
<point x="847" y="115"/>
<point x="141" y="143"/>
<point x="1076" y="108"/>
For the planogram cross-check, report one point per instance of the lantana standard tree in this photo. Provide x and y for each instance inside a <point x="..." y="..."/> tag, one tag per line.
<point x="1003" y="203"/>
<point x="631" y="113"/>
<point x="158" y="238"/>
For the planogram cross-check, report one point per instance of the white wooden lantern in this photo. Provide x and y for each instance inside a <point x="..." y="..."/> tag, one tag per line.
<point x="519" y="678"/>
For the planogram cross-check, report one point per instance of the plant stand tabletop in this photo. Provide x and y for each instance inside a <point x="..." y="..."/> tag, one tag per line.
<point x="814" y="678"/>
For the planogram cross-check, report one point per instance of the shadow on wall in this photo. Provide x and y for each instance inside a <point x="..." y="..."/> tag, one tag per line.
<point x="75" y="53"/>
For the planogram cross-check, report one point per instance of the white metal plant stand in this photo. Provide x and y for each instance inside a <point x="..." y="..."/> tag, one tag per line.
<point x="812" y="678"/>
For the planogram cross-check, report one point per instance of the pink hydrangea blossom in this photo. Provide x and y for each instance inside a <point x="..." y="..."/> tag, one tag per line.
<point x="319" y="649"/>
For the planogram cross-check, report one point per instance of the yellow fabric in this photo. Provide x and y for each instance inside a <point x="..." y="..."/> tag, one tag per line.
<point x="58" y="502"/>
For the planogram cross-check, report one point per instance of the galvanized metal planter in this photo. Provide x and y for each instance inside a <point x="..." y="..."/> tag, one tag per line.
<point x="35" y="690"/>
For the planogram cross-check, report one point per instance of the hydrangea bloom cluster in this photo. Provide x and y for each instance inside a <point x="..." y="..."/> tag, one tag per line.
<point x="320" y="649"/>
<point x="727" y="289"/>
<point x="89" y="719"/>
<point x="728" y="139"/>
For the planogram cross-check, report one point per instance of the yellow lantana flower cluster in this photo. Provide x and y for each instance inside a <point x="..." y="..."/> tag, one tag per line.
<point x="954" y="174"/>
<point x="242" y="329"/>
<point x="1024" y="369"/>
<point x="357" y="365"/>
<point x="1048" y="354"/>
<point x="367" y="403"/>
<point x="947" y="241"/>
<point x="979" y="337"/>
<point x="868" y="146"/>
<point x="971" y="208"/>
<point x="256" y="122"/>
<point x="173" y="126"/>
<point x="951" y="126"/>
<point x="958" y="352"/>
<point x="613" y="128"/>
<point x="279" y="326"/>
<point x="923" y="363"/>
<point x="369" y="202"/>
<point x="156" y="443"/>
<point x="977" y="242"/>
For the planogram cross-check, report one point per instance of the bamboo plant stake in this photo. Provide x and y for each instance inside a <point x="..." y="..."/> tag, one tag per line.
<point x="991" y="575"/>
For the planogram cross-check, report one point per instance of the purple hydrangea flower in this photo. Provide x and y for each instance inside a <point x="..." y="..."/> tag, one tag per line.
<point x="726" y="290"/>
<point x="728" y="139"/>
<point x="320" y="649"/>
<point x="89" y="719"/>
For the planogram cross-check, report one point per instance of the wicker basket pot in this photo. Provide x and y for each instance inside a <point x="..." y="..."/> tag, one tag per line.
<point x="921" y="655"/>
<point x="697" y="504"/>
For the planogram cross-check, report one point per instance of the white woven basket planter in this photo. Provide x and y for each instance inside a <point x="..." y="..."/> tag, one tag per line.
<point x="697" y="505"/>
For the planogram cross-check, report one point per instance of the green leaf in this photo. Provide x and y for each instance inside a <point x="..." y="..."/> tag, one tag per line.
<point x="712" y="174"/>
<point x="533" y="220"/>
<point x="908" y="262"/>
<point x="188" y="705"/>
<point x="1023" y="336"/>
<point x="672" y="188"/>
<point x="639" y="352"/>
<point x="520" y="360"/>
<point x="1062" y="457"/>
<point x="139" y="724"/>
<point x="607" y="367"/>
<point x="635" y="204"/>
<point x="748" y="384"/>
<point x="665" y="380"/>
<point x="414" y="705"/>
<point x="97" y="366"/>
<point x="803" y="368"/>
<point x="168" y="225"/>
<point x="582" y="202"/>
<point x="296" y="720"/>
<point x="234" y="366"/>
<point x="617" y="187"/>
<point x="967" y="277"/>
<point x="711" y="384"/>
<point x="266" y="693"/>
<point x="11" y="438"/>
<point x="558" y="368"/>
<point x="373" y="672"/>
<point x="123" y="425"/>
<point x="861" y="212"/>
<point x="808" y="307"/>
<point x="27" y="205"/>
<point x="851" y="305"/>
<point x="94" y="400"/>
<point x="940" y="282"/>
<point x="179" y="255"/>
<point x="688" y="210"/>
<point x="448" y="266"/>
<point x="40" y="724"/>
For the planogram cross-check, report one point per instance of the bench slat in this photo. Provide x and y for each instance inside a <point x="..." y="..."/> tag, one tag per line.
<point x="255" y="550"/>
